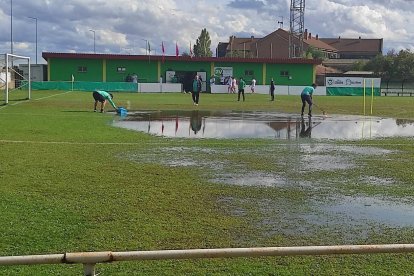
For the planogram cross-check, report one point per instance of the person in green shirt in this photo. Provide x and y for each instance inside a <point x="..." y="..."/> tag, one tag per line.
<point x="196" y="89"/>
<point x="102" y="97"/>
<point x="306" y="97"/>
<point x="242" y="85"/>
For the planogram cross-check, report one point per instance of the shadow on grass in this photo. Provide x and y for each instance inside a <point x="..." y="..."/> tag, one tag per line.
<point x="78" y="111"/>
<point x="17" y="100"/>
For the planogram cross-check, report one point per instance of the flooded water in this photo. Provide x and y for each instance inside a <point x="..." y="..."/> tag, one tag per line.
<point x="206" y="124"/>
<point x="393" y="213"/>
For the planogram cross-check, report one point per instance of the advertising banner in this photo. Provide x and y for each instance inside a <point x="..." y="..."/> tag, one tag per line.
<point x="352" y="86"/>
<point x="222" y="74"/>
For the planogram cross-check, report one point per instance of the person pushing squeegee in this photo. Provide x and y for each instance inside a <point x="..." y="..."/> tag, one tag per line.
<point x="306" y="97"/>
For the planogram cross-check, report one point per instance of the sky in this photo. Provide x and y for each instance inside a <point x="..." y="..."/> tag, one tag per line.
<point x="128" y="26"/>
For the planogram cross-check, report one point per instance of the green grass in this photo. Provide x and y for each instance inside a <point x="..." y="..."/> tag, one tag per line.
<point x="70" y="182"/>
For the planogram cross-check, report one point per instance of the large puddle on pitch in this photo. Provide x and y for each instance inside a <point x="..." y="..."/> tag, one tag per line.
<point x="207" y="124"/>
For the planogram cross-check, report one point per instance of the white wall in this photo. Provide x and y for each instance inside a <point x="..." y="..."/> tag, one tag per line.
<point x="216" y="89"/>
<point x="264" y="89"/>
<point x="37" y="71"/>
<point x="159" y="88"/>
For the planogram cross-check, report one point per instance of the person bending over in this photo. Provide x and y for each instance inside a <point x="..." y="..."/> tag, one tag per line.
<point x="102" y="97"/>
<point x="306" y="97"/>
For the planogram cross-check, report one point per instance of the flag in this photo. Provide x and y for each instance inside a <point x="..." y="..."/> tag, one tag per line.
<point x="191" y="50"/>
<point x="149" y="48"/>
<point x="163" y="51"/>
<point x="177" y="53"/>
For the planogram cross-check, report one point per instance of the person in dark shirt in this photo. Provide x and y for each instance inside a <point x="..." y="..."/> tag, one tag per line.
<point x="242" y="85"/>
<point x="272" y="90"/>
<point x="196" y="90"/>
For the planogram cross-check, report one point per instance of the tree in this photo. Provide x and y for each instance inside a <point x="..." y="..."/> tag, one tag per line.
<point x="404" y="63"/>
<point x="203" y="44"/>
<point x="314" y="53"/>
<point x="393" y="66"/>
<point x="358" y="66"/>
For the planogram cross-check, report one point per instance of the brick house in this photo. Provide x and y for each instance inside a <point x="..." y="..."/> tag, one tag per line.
<point x="339" y="53"/>
<point x="276" y="45"/>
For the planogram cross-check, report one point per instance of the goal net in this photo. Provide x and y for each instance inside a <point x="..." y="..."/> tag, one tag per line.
<point x="15" y="78"/>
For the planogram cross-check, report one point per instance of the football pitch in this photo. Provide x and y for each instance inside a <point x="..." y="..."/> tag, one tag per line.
<point x="73" y="182"/>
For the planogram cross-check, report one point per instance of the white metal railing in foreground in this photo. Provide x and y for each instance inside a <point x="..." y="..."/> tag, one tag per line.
<point x="90" y="259"/>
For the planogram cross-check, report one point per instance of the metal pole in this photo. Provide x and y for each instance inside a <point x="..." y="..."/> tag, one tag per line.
<point x="6" y="98"/>
<point x="36" y="40"/>
<point x="146" y="46"/>
<point x="36" y="35"/>
<point x="11" y="26"/>
<point x="29" y="81"/>
<point x="94" y="48"/>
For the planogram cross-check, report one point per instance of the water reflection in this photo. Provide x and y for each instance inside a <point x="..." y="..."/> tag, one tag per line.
<point x="206" y="124"/>
<point x="305" y="130"/>
<point x="195" y="121"/>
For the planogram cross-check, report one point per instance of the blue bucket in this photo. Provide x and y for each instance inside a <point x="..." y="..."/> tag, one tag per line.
<point x="122" y="111"/>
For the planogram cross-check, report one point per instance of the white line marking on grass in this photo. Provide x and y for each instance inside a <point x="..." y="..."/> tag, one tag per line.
<point x="20" y="102"/>
<point x="53" y="95"/>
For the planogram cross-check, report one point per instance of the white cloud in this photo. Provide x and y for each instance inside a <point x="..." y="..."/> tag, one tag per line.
<point x="64" y="25"/>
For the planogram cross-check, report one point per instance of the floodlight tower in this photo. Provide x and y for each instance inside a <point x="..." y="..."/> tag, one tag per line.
<point x="297" y="22"/>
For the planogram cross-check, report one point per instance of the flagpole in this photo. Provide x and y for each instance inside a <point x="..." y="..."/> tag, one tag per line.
<point x="163" y="51"/>
<point x="149" y="52"/>
<point x="73" y="79"/>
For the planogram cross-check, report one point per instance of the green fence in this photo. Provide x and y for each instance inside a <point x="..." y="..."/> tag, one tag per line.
<point x="352" y="91"/>
<point x="84" y="86"/>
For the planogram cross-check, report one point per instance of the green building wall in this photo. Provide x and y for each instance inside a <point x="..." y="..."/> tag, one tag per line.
<point x="146" y="70"/>
<point x="63" y="69"/>
<point x="299" y="74"/>
<point x="107" y="70"/>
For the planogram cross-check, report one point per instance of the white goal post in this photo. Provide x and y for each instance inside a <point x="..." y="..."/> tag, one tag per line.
<point x="14" y="79"/>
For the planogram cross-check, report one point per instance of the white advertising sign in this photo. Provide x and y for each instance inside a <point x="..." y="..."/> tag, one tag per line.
<point x="352" y="82"/>
<point x="223" y="71"/>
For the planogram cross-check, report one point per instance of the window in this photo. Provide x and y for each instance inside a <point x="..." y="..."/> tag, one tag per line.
<point x="82" y="69"/>
<point x="284" y="73"/>
<point x="248" y="73"/>
<point x="121" y="69"/>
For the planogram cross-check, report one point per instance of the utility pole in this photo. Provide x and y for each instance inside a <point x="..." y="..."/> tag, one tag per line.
<point x="297" y="22"/>
<point x="36" y="35"/>
<point x="11" y="26"/>
<point x="94" y="48"/>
